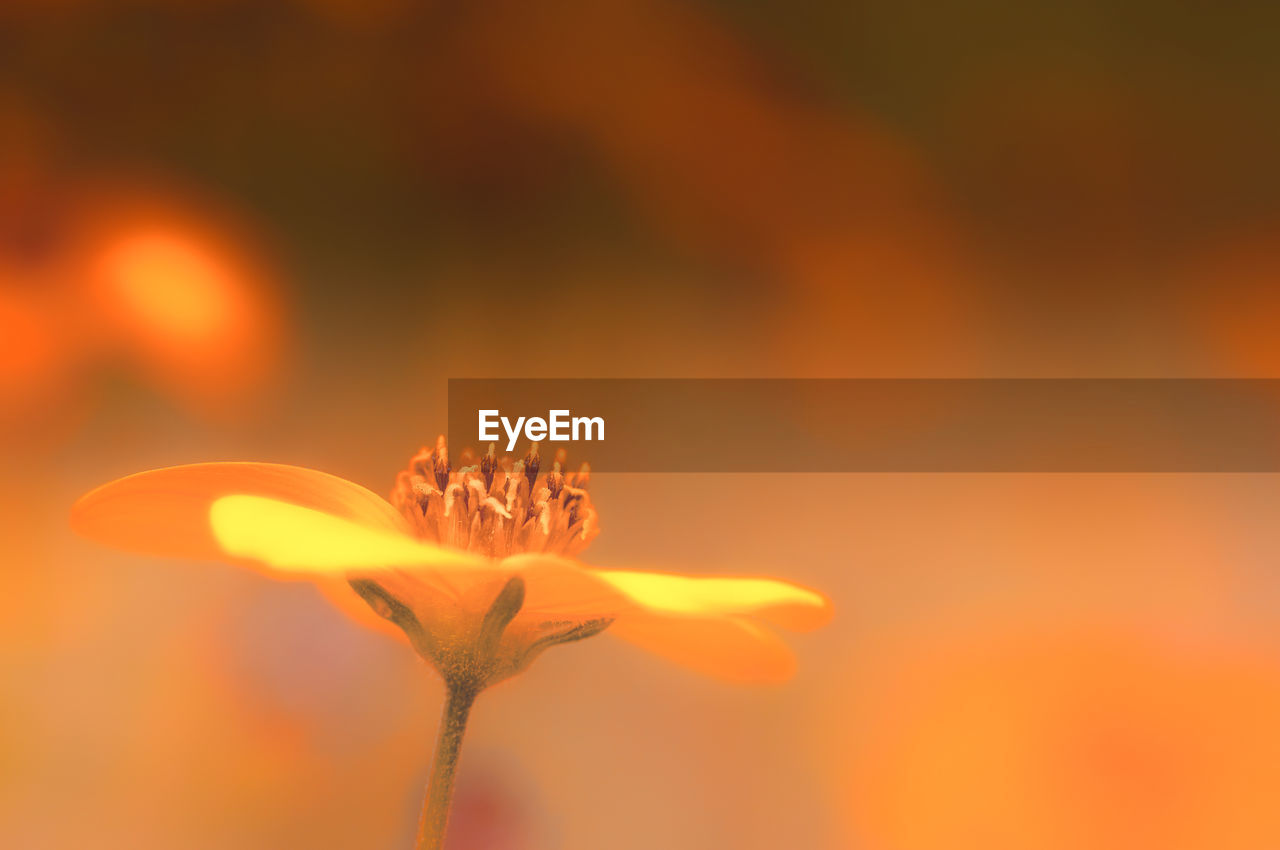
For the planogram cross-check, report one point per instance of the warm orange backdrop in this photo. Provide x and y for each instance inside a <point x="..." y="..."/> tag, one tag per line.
<point x="234" y="229"/>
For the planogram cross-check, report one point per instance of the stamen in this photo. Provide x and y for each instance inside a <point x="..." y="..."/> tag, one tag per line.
<point x="531" y="464"/>
<point x="555" y="479"/>
<point x="442" y="467"/>
<point x="488" y="466"/>
<point x="495" y="507"/>
<point x="421" y="491"/>
<point x="476" y="493"/>
<point x="572" y="505"/>
<point x="418" y="464"/>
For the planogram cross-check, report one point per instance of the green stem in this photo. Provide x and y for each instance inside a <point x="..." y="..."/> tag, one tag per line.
<point x="435" y="808"/>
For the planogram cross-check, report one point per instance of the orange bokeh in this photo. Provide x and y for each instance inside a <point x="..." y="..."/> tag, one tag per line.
<point x="1232" y="302"/>
<point x="35" y="353"/>
<point x="185" y="301"/>
<point x="1057" y="738"/>
<point x="170" y="288"/>
<point x="93" y="278"/>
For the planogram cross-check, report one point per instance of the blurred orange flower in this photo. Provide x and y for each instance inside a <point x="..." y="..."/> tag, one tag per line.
<point x="1042" y="737"/>
<point x="183" y="296"/>
<point x="156" y="281"/>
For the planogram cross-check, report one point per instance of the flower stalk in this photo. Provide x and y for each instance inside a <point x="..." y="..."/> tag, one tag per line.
<point x="444" y="766"/>
<point x="465" y="675"/>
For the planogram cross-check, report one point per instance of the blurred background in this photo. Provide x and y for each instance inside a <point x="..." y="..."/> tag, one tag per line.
<point x="272" y="230"/>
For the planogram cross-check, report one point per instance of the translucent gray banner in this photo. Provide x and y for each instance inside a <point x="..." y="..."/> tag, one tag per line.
<point x="870" y="425"/>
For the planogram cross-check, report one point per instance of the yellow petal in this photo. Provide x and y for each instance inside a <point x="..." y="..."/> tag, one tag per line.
<point x="725" y="647"/>
<point x="290" y="538"/>
<point x="778" y="602"/>
<point x="560" y="587"/>
<point x="166" y="511"/>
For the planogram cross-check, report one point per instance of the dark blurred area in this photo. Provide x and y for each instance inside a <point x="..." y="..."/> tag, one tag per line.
<point x="897" y="180"/>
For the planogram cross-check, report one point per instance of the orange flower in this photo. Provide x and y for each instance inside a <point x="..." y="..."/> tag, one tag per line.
<point x="474" y="567"/>
<point x="433" y="559"/>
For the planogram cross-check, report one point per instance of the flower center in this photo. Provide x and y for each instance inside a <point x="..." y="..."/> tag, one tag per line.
<point x="498" y="506"/>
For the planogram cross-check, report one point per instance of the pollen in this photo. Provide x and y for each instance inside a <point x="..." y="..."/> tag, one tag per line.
<point x="498" y="505"/>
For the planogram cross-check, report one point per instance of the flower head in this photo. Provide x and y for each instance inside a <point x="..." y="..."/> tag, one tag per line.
<point x="474" y="566"/>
